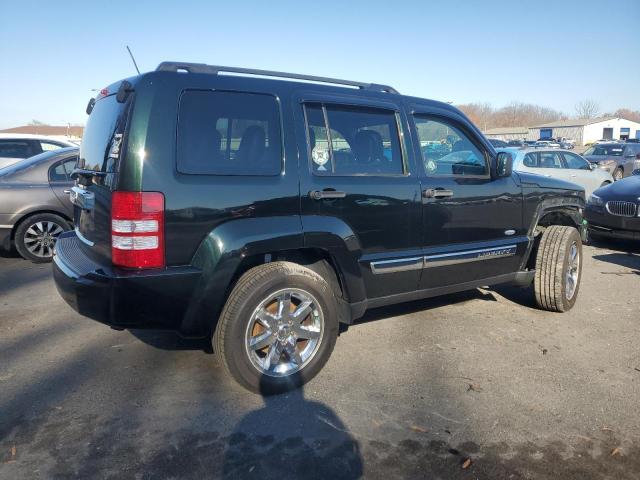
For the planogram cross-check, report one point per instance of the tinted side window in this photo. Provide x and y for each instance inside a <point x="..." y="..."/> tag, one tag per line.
<point x="575" y="162"/>
<point x="447" y="150"/>
<point x="229" y="133"/>
<point x="353" y="140"/>
<point x="550" y="160"/>
<point x="61" y="172"/>
<point x="530" y="160"/>
<point x="15" y="149"/>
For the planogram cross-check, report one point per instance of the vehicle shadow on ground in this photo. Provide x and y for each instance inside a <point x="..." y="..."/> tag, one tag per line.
<point x="408" y="308"/>
<point x="627" y="246"/>
<point x="628" y="260"/>
<point x="169" y="340"/>
<point x="9" y="253"/>
<point x="291" y="437"/>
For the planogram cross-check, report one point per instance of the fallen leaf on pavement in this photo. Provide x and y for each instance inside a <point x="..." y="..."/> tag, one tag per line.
<point x="466" y="464"/>
<point x="474" y="387"/>
<point x="616" y="451"/>
<point x="415" y="428"/>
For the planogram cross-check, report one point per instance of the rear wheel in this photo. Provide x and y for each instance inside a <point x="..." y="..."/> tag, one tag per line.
<point x="618" y="174"/>
<point x="558" y="268"/>
<point x="278" y="327"/>
<point x="36" y="236"/>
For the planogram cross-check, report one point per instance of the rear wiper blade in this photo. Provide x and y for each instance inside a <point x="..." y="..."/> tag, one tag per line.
<point x="83" y="172"/>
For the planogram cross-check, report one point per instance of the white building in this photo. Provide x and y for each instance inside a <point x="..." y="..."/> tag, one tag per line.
<point x="507" y="133"/>
<point x="587" y="130"/>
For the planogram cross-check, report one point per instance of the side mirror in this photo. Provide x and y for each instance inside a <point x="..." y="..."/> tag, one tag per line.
<point x="504" y="164"/>
<point x="592" y="166"/>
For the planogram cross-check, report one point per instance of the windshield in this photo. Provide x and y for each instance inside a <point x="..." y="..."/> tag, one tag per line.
<point x="605" y="150"/>
<point x="33" y="161"/>
<point x="103" y="135"/>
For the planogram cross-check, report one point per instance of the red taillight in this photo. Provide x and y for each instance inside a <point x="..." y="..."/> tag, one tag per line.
<point x="137" y="229"/>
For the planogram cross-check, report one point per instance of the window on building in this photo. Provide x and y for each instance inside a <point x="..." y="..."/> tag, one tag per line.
<point x="229" y="133"/>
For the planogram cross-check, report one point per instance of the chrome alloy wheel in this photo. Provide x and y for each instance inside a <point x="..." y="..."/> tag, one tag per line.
<point x="40" y="238"/>
<point x="284" y="332"/>
<point x="573" y="271"/>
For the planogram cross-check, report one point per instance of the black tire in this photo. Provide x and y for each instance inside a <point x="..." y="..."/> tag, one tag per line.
<point x="618" y="174"/>
<point x="256" y="285"/>
<point x="552" y="265"/>
<point x="23" y="237"/>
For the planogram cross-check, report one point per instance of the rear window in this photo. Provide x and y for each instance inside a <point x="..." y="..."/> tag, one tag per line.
<point x="229" y="133"/>
<point x="103" y="135"/>
<point x="16" y="149"/>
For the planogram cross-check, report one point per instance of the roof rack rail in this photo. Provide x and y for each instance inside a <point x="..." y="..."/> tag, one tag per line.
<point x="216" y="69"/>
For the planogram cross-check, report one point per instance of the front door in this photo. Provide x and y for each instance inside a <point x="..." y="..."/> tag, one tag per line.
<point x="472" y="222"/>
<point x="356" y="176"/>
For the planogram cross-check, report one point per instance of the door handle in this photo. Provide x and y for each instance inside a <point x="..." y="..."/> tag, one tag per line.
<point x="326" y="194"/>
<point x="437" y="193"/>
<point x="66" y="191"/>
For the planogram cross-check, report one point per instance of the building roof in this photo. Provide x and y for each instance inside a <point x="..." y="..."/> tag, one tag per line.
<point x="73" y="131"/>
<point x="575" y="122"/>
<point x="507" y="131"/>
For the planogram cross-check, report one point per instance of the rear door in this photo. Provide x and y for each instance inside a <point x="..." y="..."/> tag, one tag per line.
<point x="100" y="153"/>
<point x="61" y="182"/>
<point x="472" y="222"/>
<point x="356" y="172"/>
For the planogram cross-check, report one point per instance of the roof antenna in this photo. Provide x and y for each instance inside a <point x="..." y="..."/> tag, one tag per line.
<point x="133" y="59"/>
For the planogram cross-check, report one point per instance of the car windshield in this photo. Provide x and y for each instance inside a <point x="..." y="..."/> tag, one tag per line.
<point x="35" y="160"/>
<point x="605" y="150"/>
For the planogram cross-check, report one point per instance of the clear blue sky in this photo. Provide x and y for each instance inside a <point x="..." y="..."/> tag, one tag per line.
<point x="552" y="53"/>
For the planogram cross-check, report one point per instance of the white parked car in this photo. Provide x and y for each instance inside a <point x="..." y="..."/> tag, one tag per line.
<point x="560" y="164"/>
<point x="17" y="146"/>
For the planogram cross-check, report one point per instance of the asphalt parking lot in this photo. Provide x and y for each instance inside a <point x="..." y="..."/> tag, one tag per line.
<point x="472" y="385"/>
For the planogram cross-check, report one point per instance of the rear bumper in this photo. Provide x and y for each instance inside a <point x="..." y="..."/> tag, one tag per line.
<point x="122" y="299"/>
<point x="602" y="223"/>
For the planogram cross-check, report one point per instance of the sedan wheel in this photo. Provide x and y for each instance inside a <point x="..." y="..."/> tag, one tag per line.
<point x="36" y="237"/>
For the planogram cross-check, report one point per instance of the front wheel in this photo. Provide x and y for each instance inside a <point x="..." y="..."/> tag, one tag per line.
<point x="558" y="268"/>
<point x="278" y="327"/>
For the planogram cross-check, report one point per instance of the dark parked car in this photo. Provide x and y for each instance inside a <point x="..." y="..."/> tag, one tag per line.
<point x="619" y="159"/>
<point x="614" y="211"/>
<point x="34" y="203"/>
<point x="262" y="212"/>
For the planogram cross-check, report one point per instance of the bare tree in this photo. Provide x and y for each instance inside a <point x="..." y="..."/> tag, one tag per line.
<point x="513" y="115"/>
<point x="627" y="114"/>
<point x="588" y="108"/>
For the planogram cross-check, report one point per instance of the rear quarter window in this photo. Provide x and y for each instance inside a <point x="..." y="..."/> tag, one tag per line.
<point x="228" y="133"/>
